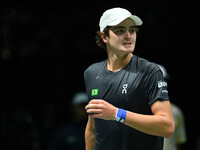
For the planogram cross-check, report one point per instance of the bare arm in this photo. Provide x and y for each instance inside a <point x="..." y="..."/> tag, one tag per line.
<point x="89" y="134"/>
<point x="161" y="123"/>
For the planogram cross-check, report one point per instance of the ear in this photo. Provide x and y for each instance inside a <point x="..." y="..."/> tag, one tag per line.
<point x="104" y="37"/>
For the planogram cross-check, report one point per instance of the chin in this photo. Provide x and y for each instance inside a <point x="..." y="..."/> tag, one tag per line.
<point x="130" y="50"/>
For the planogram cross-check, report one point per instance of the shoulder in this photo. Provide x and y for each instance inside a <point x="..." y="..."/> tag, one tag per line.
<point x="146" y="65"/>
<point x="92" y="69"/>
<point x="95" y="66"/>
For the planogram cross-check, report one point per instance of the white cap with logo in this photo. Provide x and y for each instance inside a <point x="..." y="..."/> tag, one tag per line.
<point x="114" y="16"/>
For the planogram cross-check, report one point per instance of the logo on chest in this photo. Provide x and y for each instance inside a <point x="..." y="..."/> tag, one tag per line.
<point x="94" y="92"/>
<point x="124" y="90"/>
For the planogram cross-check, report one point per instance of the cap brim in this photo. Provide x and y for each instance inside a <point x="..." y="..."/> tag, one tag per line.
<point x="136" y="19"/>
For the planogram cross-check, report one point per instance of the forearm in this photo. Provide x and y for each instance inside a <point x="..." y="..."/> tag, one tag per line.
<point x="89" y="140"/>
<point x="157" y="125"/>
<point x="89" y="136"/>
<point x="160" y="123"/>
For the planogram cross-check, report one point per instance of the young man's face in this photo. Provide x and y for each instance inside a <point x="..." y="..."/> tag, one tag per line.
<point x="122" y="37"/>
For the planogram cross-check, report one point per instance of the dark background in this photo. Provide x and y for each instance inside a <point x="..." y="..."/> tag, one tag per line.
<point x="46" y="46"/>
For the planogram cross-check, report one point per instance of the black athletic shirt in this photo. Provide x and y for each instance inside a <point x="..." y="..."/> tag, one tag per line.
<point x="135" y="88"/>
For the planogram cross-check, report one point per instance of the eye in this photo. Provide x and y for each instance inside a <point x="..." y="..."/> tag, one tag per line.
<point x="119" y="31"/>
<point x="132" y="30"/>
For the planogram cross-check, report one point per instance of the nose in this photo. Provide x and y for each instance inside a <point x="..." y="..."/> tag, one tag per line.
<point x="127" y="35"/>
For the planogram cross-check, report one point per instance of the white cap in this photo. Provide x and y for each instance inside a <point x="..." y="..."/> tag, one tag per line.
<point x="80" y="98"/>
<point x="114" y="16"/>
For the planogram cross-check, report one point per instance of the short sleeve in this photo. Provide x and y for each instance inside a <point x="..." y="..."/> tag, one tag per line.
<point x="156" y="88"/>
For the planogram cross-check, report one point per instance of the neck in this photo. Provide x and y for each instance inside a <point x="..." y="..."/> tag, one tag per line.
<point x="116" y="63"/>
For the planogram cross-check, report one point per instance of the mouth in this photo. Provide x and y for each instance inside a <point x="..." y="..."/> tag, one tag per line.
<point x="127" y="43"/>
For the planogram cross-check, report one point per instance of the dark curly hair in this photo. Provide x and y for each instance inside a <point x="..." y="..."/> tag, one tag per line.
<point x="99" y="40"/>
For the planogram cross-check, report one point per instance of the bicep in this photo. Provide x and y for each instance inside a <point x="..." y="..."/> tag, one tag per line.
<point x="162" y="108"/>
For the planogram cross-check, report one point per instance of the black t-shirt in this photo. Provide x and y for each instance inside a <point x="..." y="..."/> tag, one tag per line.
<point x="135" y="87"/>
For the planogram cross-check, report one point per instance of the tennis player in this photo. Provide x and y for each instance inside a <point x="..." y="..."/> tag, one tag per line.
<point x="129" y="106"/>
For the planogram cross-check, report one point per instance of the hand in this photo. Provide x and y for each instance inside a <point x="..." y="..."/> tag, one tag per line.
<point x="98" y="108"/>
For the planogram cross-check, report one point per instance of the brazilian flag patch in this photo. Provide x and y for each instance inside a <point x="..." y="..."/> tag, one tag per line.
<point x="94" y="92"/>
